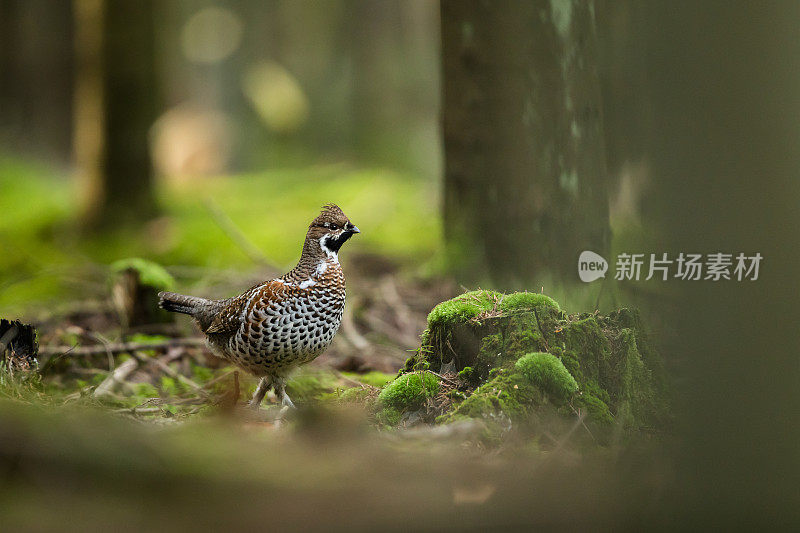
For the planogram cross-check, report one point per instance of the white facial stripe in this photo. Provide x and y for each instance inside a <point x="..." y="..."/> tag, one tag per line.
<point x="323" y="243"/>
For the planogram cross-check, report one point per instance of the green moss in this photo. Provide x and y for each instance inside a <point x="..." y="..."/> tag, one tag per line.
<point x="390" y="416"/>
<point x="548" y="373"/>
<point x="145" y="390"/>
<point x="474" y="303"/>
<point x="523" y="301"/>
<point x="593" y="389"/>
<point x="573" y="365"/>
<point x="374" y="378"/>
<point x="170" y="386"/>
<point x="468" y="374"/>
<point x="408" y="392"/>
<point x="463" y="308"/>
<point x="635" y="393"/>
<point x="596" y="408"/>
<point x="142" y="392"/>
<point x="150" y="273"/>
<point x="490" y="354"/>
<point x="585" y="341"/>
<point x="507" y="394"/>
<point x="630" y="319"/>
<point x="450" y="418"/>
<point x="480" y="404"/>
<point x="522" y="347"/>
<point x="309" y="385"/>
<point x="144" y="338"/>
<point x="484" y="329"/>
<point x="194" y="238"/>
<point x="522" y="335"/>
<point x="201" y="374"/>
<point x="357" y="395"/>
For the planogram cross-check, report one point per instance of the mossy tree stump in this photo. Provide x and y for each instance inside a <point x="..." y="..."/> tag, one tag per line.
<point x="135" y="284"/>
<point x="520" y="352"/>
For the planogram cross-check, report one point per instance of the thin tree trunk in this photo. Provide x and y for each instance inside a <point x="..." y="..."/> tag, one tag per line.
<point x="116" y="103"/>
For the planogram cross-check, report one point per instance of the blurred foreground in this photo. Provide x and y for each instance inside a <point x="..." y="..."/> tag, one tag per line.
<point x="69" y="470"/>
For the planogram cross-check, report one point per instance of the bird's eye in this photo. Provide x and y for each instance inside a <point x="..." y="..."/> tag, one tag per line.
<point x="334" y="227"/>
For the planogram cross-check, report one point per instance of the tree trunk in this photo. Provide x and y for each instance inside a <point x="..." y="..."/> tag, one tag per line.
<point x="116" y="103"/>
<point x="525" y="172"/>
<point x="36" y="60"/>
<point x="723" y="86"/>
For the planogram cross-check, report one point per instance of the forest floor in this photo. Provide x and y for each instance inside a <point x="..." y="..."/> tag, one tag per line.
<point x="144" y="428"/>
<point x="141" y="427"/>
<point x="164" y="370"/>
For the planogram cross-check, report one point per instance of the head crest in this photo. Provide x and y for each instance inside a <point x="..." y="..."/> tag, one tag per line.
<point x="330" y="213"/>
<point x="331" y="209"/>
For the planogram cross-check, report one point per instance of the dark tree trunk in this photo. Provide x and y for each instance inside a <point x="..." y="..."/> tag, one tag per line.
<point x="723" y="86"/>
<point x="525" y="173"/>
<point x="36" y="60"/>
<point x="116" y="104"/>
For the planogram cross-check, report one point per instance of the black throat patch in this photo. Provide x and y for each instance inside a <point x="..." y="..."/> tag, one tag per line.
<point x="333" y="244"/>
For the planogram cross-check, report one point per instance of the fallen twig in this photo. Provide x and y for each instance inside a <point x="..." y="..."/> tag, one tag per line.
<point x="109" y="354"/>
<point x="140" y="410"/>
<point x="98" y="349"/>
<point x="164" y="367"/>
<point x="450" y="381"/>
<point x="115" y="377"/>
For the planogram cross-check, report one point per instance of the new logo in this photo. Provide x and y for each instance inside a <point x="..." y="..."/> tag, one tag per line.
<point x="591" y="266"/>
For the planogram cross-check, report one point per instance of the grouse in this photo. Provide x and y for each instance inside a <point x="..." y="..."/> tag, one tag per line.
<point x="280" y="324"/>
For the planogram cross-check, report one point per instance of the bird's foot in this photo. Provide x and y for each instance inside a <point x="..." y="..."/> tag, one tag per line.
<point x="261" y="391"/>
<point x="279" y="386"/>
<point x="287" y="403"/>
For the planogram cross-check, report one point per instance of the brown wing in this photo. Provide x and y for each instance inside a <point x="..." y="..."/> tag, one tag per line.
<point x="228" y="320"/>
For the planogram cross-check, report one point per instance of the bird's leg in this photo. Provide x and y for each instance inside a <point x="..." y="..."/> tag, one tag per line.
<point x="280" y="392"/>
<point x="261" y="391"/>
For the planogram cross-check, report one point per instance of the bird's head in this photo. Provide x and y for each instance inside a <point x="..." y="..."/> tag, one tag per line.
<point x="331" y="229"/>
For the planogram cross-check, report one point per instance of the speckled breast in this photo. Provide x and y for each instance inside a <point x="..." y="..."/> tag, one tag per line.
<point x="288" y="325"/>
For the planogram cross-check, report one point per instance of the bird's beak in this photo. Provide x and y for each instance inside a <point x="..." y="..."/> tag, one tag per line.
<point x="354" y="229"/>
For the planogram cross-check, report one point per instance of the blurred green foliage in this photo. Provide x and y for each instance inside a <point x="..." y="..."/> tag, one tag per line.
<point x="150" y="273"/>
<point x="46" y="258"/>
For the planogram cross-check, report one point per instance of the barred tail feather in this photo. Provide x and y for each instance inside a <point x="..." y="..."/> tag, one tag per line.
<point x="179" y="303"/>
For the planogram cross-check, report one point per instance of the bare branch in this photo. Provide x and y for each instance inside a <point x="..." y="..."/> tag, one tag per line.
<point x="164" y="367"/>
<point x="98" y="349"/>
<point x="116" y="377"/>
